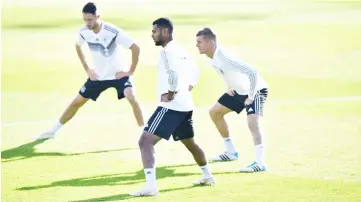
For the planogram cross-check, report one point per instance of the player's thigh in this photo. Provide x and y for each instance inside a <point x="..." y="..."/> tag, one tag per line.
<point x="92" y="89"/>
<point x="185" y="129"/>
<point x="227" y="103"/>
<point x="163" y="122"/>
<point x="79" y="101"/>
<point x="129" y="93"/>
<point x="219" y="110"/>
<point x="124" y="87"/>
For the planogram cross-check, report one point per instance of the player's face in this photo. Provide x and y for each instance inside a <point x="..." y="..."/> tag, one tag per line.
<point x="90" y="20"/>
<point x="203" y="45"/>
<point x="158" y="35"/>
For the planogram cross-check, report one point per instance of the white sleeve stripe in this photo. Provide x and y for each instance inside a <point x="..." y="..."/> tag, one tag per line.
<point x="173" y="76"/>
<point x="164" y="57"/>
<point x="246" y="70"/>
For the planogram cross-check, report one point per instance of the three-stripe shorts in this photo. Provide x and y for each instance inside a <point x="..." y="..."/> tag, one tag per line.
<point x="166" y="122"/>
<point x="236" y="102"/>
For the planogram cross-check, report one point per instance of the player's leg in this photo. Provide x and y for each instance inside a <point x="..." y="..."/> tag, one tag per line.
<point x="133" y="101"/>
<point x="185" y="134"/>
<point x="92" y="90"/>
<point x="146" y="143"/>
<point x="70" y="111"/>
<point x="225" y="105"/>
<point x="160" y="125"/>
<point x="125" y="89"/>
<point x="254" y="115"/>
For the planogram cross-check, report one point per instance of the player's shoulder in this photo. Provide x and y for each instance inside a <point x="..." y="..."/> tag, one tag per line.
<point x="84" y="29"/>
<point x="111" y="28"/>
<point x="223" y="53"/>
<point x="175" y="48"/>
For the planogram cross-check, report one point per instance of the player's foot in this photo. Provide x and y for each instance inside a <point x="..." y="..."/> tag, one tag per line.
<point x="225" y="156"/>
<point x="45" y="136"/>
<point x="147" y="191"/>
<point x="205" y="181"/>
<point x="254" y="167"/>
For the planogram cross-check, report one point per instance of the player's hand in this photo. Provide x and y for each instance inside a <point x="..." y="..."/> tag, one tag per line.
<point x="231" y="93"/>
<point x="166" y="97"/>
<point x="248" y="101"/>
<point x="92" y="75"/>
<point x="120" y="75"/>
<point x="190" y="87"/>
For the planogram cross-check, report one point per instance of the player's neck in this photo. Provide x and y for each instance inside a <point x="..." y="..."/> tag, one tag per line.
<point x="97" y="27"/>
<point x="167" y="41"/>
<point x="211" y="52"/>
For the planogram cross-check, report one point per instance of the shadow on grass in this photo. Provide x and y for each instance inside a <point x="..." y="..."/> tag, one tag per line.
<point x="28" y="150"/>
<point x="120" y="197"/>
<point x="118" y="178"/>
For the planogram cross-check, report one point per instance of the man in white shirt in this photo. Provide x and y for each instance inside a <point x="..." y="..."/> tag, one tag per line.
<point x="246" y="90"/>
<point x="177" y="75"/>
<point x="109" y="71"/>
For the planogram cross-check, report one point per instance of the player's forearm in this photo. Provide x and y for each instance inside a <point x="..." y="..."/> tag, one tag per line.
<point x="82" y="57"/>
<point x="135" y="57"/>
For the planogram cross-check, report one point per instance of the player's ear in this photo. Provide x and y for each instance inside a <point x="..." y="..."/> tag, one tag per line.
<point x="166" y="31"/>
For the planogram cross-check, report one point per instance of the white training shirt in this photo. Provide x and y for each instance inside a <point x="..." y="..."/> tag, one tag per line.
<point x="238" y="75"/>
<point x="104" y="48"/>
<point x="173" y="58"/>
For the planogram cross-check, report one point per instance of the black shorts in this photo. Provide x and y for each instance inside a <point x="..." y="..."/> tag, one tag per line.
<point x="236" y="102"/>
<point x="92" y="89"/>
<point x="166" y="122"/>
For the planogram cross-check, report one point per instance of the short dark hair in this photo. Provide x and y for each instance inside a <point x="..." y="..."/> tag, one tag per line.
<point x="90" y="8"/>
<point x="164" y="23"/>
<point x="207" y="33"/>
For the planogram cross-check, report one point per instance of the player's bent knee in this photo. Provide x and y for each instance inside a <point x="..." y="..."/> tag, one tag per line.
<point x="145" y="139"/>
<point x="215" y="113"/>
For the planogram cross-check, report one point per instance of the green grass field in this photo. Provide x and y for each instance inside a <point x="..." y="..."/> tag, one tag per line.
<point x="308" y="51"/>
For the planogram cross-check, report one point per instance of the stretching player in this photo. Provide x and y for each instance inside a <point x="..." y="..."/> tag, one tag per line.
<point x="103" y="40"/>
<point x="246" y="90"/>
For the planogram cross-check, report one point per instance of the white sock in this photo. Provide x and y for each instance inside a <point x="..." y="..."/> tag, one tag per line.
<point x="260" y="154"/>
<point x="150" y="177"/>
<point x="56" y="127"/>
<point x="229" y="145"/>
<point x="206" y="171"/>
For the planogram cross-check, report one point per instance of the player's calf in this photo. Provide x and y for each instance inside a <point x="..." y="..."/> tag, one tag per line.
<point x="201" y="160"/>
<point x="257" y="133"/>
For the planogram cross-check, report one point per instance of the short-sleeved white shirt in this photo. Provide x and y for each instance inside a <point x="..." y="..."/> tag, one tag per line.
<point x="104" y="48"/>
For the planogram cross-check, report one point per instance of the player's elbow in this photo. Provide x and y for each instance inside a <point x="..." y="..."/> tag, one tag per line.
<point x="173" y="80"/>
<point x="135" y="49"/>
<point x="77" y="47"/>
